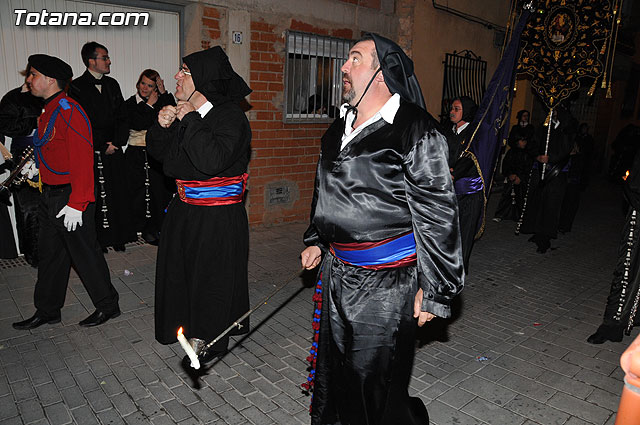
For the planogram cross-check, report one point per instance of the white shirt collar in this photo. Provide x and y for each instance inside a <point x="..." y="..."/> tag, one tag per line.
<point x="387" y="112"/>
<point x="96" y="75"/>
<point x="205" y="108"/>
<point x="458" y="130"/>
<point x="142" y="99"/>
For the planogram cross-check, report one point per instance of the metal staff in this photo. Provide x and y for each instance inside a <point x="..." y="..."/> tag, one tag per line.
<point x="524" y="204"/>
<point x="546" y="148"/>
<point x="238" y="324"/>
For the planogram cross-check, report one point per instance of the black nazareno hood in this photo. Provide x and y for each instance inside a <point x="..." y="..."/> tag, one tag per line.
<point x="214" y="77"/>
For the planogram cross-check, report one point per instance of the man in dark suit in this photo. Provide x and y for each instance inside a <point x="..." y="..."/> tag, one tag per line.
<point x="101" y="98"/>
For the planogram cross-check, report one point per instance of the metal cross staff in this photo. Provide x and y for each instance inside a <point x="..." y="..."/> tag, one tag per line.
<point x="195" y="363"/>
<point x="546" y="147"/>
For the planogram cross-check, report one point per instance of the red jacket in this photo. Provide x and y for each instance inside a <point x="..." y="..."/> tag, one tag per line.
<point x="68" y="151"/>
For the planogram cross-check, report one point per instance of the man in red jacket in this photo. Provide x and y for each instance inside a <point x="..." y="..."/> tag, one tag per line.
<point x="64" y="154"/>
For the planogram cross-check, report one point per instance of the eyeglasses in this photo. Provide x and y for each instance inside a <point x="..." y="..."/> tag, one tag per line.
<point x="184" y="71"/>
<point x="104" y="58"/>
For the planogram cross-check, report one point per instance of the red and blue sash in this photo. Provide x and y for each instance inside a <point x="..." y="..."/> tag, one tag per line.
<point x="214" y="191"/>
<point x="399" y="251"/>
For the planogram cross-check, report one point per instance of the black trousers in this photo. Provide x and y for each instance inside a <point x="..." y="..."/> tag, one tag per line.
<point x="366" y="347"/>
<point x="59" y="249"/>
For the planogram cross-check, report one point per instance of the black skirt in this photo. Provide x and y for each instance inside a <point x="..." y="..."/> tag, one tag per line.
<point x="201" y="272"/>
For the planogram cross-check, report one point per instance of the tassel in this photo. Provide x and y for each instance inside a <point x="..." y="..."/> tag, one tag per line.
<point x="313" y="352"/>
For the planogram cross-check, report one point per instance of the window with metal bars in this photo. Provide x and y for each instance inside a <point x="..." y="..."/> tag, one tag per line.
<point x="313" y="83"/>
<point x="464" y="75"/>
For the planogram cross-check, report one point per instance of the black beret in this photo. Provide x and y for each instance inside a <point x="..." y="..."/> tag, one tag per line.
<point x="51" y="66"/>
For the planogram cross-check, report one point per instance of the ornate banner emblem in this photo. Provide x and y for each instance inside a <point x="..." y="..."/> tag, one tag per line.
<point x="562" y="43"/>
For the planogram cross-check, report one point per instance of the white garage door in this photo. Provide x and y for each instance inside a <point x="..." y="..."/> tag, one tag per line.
<point x="132" y="47"/>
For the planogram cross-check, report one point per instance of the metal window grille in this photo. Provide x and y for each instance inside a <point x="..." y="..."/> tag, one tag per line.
<point x="313" y="83"/>
<point x="465" y="74"/>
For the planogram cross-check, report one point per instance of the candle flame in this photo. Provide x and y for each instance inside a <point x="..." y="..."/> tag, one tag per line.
<point x="180" y="331"/>
<point x="626" y="175"/>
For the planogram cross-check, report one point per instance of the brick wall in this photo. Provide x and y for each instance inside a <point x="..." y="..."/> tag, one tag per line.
<point x="283" y="155"/>
<point x="373" y="4"/>
<point x="212" y="19"/>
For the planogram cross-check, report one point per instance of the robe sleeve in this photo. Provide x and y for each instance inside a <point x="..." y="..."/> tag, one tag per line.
<point x="15" y="119"/>
<point x="311" y="235"/>
<point x="140" y="115"/>
<point x="434" y="213"/>
<point x="121" y="130"/>
<point x="160" y="139"/>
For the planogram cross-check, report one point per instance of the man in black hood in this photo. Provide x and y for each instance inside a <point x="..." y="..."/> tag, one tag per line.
<point x="384" y="215"/>
<point x="204" y="143"/>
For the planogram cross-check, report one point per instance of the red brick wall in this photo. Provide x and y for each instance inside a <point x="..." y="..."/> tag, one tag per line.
<point x="211" y="19"/>
<point x="373" y="4"/>
<point x="280" y="151"/>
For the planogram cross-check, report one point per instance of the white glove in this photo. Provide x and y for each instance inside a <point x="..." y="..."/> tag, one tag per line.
<point x="72" y="217"/>
<point x="30" y="170"/>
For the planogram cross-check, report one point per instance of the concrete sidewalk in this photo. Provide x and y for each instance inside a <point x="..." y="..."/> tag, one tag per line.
<point x="514" y="354"/>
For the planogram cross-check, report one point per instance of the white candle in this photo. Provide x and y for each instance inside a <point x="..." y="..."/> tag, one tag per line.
<point x="195" y="363"/>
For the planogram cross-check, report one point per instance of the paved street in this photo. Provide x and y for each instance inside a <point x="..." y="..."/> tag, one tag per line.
<point x="515" y="352"/>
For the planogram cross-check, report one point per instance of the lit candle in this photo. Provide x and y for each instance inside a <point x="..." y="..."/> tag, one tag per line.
<point x="195" y="363"/>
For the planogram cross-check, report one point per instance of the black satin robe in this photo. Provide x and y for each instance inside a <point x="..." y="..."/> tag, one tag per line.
<point x="389" y="180"/>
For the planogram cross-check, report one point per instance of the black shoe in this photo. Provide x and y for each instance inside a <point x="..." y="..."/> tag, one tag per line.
<point x="543" y="246"/>
<point x="151" y="239"/>
<point x="31" y="260"/>
<point x="606" y="333"/>
<point x="34" y="322"/>
<point x="207" y="356"/>
<point x="98" y="317"/>
<point x="119" y="248"/>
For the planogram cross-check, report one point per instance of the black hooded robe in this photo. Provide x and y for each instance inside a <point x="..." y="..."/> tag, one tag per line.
<point x="623" y="301"/>
<point x="108" y="124"/>
<point x="389" y="180"/>
<point x="544" y="199"/>
<point x="201" y="271"/>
